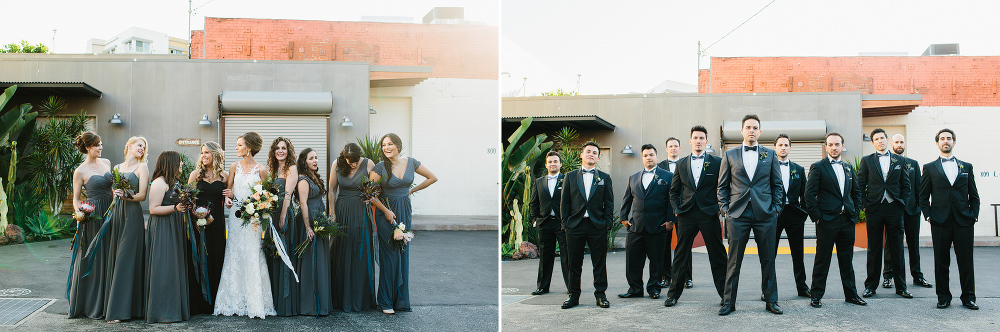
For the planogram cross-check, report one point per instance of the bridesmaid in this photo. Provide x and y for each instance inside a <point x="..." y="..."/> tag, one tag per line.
<point x="125" y="238"/>
<point x="211" y="176"/>
<point x="394" y="285"/>
<point x="281" y="163"/>
<point x="86" y="295"/>
<point x="166" y="287"/>
<point x="314" y="265"/>
<point x="353" y="270"/>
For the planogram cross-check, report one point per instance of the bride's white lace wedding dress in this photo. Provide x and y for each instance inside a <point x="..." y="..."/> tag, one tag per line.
<point x="244" y="288"/>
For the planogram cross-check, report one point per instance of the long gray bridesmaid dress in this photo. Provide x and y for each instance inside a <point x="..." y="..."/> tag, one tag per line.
<point x="353" y="257"/>
<point x="284" y="289"/>
<point x="125" y="241"/>
<point x="394" y="276"/>
<point x="86" y="294"/>
<point x="314" y="265"/>
<point x="166" y="289"/>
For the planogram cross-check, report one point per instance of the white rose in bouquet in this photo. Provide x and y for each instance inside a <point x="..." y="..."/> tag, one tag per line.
<point x="258" y="188"/>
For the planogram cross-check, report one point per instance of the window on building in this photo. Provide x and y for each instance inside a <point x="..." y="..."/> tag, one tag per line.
<point x="141" y="46"/>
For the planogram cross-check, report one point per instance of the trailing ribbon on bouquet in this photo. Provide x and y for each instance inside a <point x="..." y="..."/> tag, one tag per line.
<point x="281" y="251"/>
<point x="367" y="248"/>
<point x="96" y="242"/>
<point x="76" y="246"/>
<point x="199" y="255"/>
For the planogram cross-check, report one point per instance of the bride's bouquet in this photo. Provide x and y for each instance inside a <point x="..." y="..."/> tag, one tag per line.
<point x="322" y="226"/>
<point x="400" y="236"/>
<point x="259" y="206"/>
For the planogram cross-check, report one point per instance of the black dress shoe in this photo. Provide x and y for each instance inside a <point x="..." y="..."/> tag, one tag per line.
<point x="654" y="294"/>
<point x="628" y="295"/>
<point x="904" y="294"/>
<point x="762" y="298"/>
<point x="971" y="305"/>
<point x="815" y="303"/>
<point x="944" y="304"/>
<point x="688" y="284"/>
<point x="922" y="282"/>
<point x="805" y="293"/>
<point x="886" y="283"/>
<point x="571" y="302"/>
<point x="603" y="302"/>
<point x="856" y="300"/>
<point x="726" y="309"/>
<point x="774" y="308"/>
<point x="868" y="293"/>
<point x="722" y="302"/>
<point x="540" y="291"/>
<point x="670" y="302"/>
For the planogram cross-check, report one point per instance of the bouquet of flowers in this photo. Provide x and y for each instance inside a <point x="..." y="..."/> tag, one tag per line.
<point x="119" y="181"/>
<point x="185" y="195"/>
<point x="260" y="205"/>
<point x="202" y="212"/>
<point x="322" y="226"/>
<point x="85" y="213"/>
<point x="370" y="190"/>
<point x="400" y="236"/>
<point x="267" y="245"/>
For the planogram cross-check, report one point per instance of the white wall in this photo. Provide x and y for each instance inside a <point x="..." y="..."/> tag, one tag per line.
<point x="455" y="133"/>
<point x="975" y="133"/>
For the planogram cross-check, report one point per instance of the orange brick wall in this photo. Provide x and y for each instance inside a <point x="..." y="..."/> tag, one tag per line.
<point x="942" y="80"/>
<point x="453" y="51"/>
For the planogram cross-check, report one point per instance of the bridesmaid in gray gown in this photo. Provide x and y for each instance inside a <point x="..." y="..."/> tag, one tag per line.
<point x="282" y="167"/>
<point x="125" y="238"/>
<point x="166" y="289"/>
<point x="86" y="294"/>
<point x="353" y="262"/>
<point x="314" y="265"/>
<point x="394" y="276"/>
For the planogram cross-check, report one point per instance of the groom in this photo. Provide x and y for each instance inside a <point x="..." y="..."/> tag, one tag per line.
<point x="586" y="211"/>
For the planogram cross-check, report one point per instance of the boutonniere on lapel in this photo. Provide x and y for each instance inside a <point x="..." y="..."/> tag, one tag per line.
<point x="658" y="180"/>
<point x="909" y="168"/>
<point x="961" y="167"/>
<point x="795" y="174"/>
<point x="763" y="155"/>
<point x="847" y="171"/>
<point x="707" y="163"/>
<point x="559" y="183"/>
<point x="598" y="180"/>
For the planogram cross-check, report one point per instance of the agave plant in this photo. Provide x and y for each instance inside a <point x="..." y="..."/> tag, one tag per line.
<point x="53" y="158"/>
<point x="370" y="147"/>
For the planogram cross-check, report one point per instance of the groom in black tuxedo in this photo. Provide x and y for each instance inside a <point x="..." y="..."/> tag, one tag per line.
<point x="793" y="216"/>
<point x="949" y="200"/>
<point x="587" y="211"/>
<point x="544" y="207"/>
<point x="751" y="196"/>
<point x="833" y="200"/>
<point x="647" y="198"/>
<point x="885" y="188"/>
<point x="673" y="152"/>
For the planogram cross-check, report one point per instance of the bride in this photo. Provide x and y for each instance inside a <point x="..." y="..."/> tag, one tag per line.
<point x="244" y="288"/>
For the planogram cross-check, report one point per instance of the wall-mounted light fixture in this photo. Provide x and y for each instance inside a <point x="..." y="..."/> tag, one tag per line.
<point x="371" y="110"/>
<point x="347" y="123"/>
<point x="205" y="121"/>
<point x="627" y="150"/>
<point x="710" y="149"/>
<point x="116" y="119"/>
<point x="864" y="137"/>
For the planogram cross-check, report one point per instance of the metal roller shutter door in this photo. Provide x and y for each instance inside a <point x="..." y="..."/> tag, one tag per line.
<point x="303" y="131"/>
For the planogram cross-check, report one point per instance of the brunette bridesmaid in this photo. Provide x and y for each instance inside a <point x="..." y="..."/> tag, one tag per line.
<point x="86" y="294"/>
<point x="394" y="285"/>
<point x="283" y="170"/>
<point x="166" y="289"/>
<point x="353" y="259"/>
<point x="125" y="237"/>
<point x="314" y="265"/>
<point x="210" y="176"/>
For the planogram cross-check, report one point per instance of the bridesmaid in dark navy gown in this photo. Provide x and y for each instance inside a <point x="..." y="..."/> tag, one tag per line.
<point x="167" y="288"/>
<point x="86" y="294"/>
<point x="282" y="167"/>
<point x="125" y="238"/>
<point x="394" y="285"/>
<point x="314" y="265"/>
<point x="353" y="254"/>
<point x="210" y="176"/>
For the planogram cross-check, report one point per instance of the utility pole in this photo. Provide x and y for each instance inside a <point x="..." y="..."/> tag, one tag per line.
<point x="578" y="83"/>
<point x="53" y="41"/>
<point x="189" y="29"/>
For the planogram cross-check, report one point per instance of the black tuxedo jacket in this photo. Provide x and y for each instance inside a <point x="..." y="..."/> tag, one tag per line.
<point x="960" y="199"/>
<point x="542" y="203"/>
<point x="913" y="172"/>
<point x="737" y="190"/>
<point x="574" y="203"/>
<point x="685" y="196"/>
<point x="665" y="164"/>
<point x="796" y="190"/>
<point x="873" y="187"/>
<point x="823" y="199"/>
<point x="649" y="207"/>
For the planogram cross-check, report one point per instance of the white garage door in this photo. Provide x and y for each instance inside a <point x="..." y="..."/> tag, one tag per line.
<point x="303" y="131"/>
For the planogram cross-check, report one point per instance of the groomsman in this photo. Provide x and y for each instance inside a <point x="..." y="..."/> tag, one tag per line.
<point x="647" y="199"/>
<point x="751" y="196"/>
<point x="952" y="214"/>
<point x="793" y="216"/>
<point x="833" y="200"/>
<point x="586" y="211"/>
<point x="911" y="220"/>
<point x="670" y="164"/>
<point x="885" y="188"/>
<point x="695" y="201"/>
<point x="544" y="207"/>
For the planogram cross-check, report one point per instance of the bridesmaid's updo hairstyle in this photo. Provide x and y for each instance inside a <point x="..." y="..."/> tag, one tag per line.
<point x="86" y="140"/>
<point x="166" y="166"/>
<point x="312" y="175"/>
<point x="399" y="149"/>
<point x="350" y="154"/>
<point x="272" y="160"/>
<point x="218" y="160"/>
<point x="253" y="141"/>
<point x="136" y="139"/>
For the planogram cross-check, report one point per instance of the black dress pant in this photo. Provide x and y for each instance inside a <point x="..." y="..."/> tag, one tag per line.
<point x="597" y="239"/>
<point x="549" y="235"/>
<point x="885" y="219"/>
<point x="668" y="261"/>
<point x="739" y="234"/>
<point x="944" y="237"/>
<point x="688" y="226"/>
<point x="839" y="232"/>
<point x="639" y="247"/>
<point x="911" y="231"/>
<point x="793" y="223"/>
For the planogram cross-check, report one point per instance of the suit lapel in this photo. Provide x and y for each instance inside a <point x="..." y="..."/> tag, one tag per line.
<point x="593" y="183"/>
<point x="687" y="171"/>
<point x="544" y="183"/>
<point x="739" y="162"/>
<point x="940" y="168"/>
<point x="760" y="162"/>
<point x="833" y="174"/>
<point x="878" y="165"/>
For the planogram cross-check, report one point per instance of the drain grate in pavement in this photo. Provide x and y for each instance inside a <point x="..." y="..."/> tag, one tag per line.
<point x="14" y="311"/>
<point x="14" y="292"/>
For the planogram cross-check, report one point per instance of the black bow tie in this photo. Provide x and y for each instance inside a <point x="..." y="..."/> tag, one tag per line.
<point x="835" y="162"/>
<point x="671" y="162"/>
<point x="553" y="177"/>
<point x="783" y="163"/>
<point x="748" y="148"/>
<point x="952" y="158"/>
<point x="588" y="171"/>
<point x="693" y="157"/>
<point x="649" y="171"/>
<point x="886" y="154"/>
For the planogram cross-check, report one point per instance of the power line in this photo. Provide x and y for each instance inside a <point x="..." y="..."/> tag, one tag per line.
<point x="737" y="27"/>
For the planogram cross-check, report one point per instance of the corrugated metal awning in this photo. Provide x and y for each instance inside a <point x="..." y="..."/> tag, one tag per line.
<point x="274" y="102"/>
<point x="812" y="130"/>
<point x="547" y="123"/>
<point x="62" y="89"/>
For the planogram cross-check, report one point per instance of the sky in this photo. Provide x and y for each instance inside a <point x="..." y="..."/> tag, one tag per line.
<point x="76" y="22"/>
<point x="633" y="46"/>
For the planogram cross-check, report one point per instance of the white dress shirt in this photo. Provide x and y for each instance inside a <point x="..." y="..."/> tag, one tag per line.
<point x="786" y="177"/>
<point x="950" y="169"/>
<point x="883" y="160"/>
<point x="696" y="165"/>
<point x="588" y="180"/>
<point x="839" y="170"/>
<point x="750" y="159"/>
<point x="671" y="164"/>
<point x="647" y="177"/>
<point x="552" y="189"/>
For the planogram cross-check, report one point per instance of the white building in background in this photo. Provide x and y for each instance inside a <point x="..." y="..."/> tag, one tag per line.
<point x="138" y="41"/>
